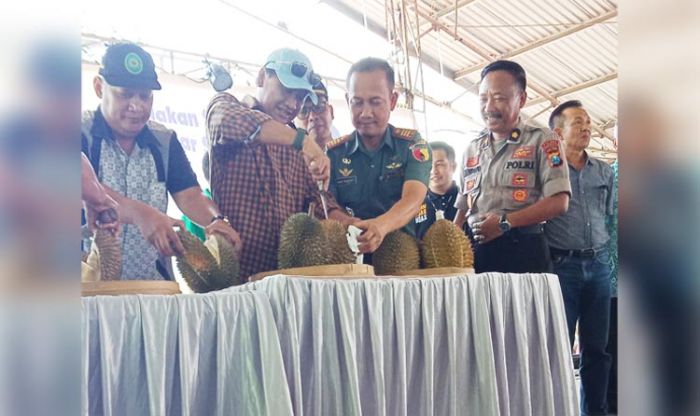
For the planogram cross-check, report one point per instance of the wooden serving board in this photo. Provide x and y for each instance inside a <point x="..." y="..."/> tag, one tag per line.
<point x="436" y="272"/>
<point x="130" y="287"/>
<point x="332" y="271"/>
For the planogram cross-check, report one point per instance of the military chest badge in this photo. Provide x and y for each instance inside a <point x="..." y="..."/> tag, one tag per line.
<point x="519" y="179"/>
<point x="520" y="195"/>
<point x="345" y="172"/>
<point x="346" y="161"/>
<point x="523" y="152"/>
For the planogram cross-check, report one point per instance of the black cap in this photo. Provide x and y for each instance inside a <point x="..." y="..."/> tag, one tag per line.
<point x="128" y="65"/>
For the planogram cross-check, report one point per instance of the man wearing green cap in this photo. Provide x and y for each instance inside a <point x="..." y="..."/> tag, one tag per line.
<point x="139" y="162"/>
<point x="263" y="169"/>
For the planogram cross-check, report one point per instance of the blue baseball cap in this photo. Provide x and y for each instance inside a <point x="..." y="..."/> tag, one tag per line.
<point x="128" y="65"/>
<point x="294" y="70"/>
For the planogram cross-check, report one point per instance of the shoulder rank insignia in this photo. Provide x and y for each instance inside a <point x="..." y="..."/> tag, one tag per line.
<point x="337" y="142"/>
<point x="515" y="135"/>
<point x="406" y="134"/>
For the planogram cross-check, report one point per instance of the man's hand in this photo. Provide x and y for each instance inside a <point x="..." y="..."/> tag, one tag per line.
<point x="224" y="228"/>
<point x="103" y="214"/>
<point x="157" y="229"/>
<point x="372" y="236"/>
<point x="317" y="161"/>
<point x="486" y="228"/>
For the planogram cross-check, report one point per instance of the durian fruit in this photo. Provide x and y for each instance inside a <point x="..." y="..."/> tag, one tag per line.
<point x="210" y="265"/>
<point x="104" y="261"/>
<point x="109" y="247"/>
<point x="445" y="245"/>
<point x="398" y="252"/>
<point x="337" y="242"/>
<point x="302" y="243"/>
<point x="226" y="259"/>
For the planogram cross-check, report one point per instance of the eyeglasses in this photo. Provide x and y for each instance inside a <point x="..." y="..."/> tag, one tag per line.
<point x="300" y="70"/>
<point x="309" y="108"/>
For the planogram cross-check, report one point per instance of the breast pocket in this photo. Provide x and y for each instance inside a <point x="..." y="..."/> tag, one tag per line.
<point x="391" y="183"/>
<point x="349" y="189"/>
<point x="602" y="196"/>
<point x="519" y="181"/>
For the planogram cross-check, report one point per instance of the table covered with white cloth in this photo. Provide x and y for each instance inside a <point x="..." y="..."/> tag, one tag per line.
<point x="488" y="344"/>
<point x="210" y="354"/>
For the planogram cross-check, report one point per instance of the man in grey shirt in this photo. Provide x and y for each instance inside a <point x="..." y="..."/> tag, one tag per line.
<point x="578" y="242"/>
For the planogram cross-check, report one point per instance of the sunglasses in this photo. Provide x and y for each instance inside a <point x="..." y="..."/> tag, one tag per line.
<point x="309" y="108"/>
<point x="300" y="70"/>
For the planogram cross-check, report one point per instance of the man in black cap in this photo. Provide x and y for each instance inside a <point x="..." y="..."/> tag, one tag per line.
<point x="139" y="162"/>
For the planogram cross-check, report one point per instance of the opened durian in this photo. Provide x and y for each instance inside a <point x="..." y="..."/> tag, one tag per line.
<point x="445" y="245"/>
<point x="337" y="242"/>
<point x="210" y="265"/>
<point x="398" y="252"/>
<point x="302" y="243"/>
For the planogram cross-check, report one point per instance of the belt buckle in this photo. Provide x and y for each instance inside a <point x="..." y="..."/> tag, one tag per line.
<point x="588" y="252"/>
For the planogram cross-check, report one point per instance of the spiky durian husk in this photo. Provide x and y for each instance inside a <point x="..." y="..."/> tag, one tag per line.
<point x="398" y="252"/>
<point x="445" y="245"/>
<point x="106" y="255"/>
<point x="337" y="242"/>
<point x="302" y="243"/>
<point x="213" y="266"/>
<point x="194" y="280"/>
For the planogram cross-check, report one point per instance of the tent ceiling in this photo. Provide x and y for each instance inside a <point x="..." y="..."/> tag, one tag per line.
<point x="568" y="48"/>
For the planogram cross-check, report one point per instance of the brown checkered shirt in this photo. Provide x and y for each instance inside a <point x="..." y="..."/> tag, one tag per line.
<point x="257" y="185"/>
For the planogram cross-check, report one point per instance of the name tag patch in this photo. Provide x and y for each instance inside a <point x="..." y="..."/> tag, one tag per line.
<point x="520" y="164"/>
<point x="346" y="180"/>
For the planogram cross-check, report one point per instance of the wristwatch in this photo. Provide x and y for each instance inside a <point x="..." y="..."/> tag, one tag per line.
<point x="503" y="224"/>
<point x="299" y="138"/>
<point x="219" y="217"/>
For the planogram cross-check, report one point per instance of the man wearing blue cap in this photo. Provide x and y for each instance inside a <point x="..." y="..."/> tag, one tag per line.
<point x="139" y="162"/>
<point x="263" y="168"/>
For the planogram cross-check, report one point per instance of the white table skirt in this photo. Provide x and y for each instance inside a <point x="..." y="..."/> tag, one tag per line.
<point x="489" y="344"/>
<point x="213" y="354"/>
